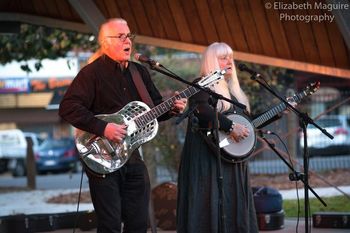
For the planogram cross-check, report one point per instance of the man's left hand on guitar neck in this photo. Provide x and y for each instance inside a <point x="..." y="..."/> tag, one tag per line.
<point x="179" y="105"/>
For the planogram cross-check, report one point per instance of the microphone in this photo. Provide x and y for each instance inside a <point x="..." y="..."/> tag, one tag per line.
<point x="144" y="59"/>
<point x="243" y="67"/>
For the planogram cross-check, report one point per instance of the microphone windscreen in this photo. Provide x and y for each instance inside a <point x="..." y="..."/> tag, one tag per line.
<point x="137" y="56"/>
<point x="242" y="67"/>
<point x="141" y="58"/>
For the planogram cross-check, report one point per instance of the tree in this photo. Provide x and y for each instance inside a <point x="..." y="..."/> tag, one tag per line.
<point x="39" y="42"/>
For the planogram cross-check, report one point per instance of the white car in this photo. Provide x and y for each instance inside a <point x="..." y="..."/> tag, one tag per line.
<point x="13" y="146"/>
<point x="18" y="166"/>
<point x="319" y="144"/>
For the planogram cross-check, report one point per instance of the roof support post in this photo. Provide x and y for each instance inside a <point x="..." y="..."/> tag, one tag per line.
<point x="89" y="12"/>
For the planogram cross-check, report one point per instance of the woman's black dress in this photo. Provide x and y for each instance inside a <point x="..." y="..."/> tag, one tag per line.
<point x="198" y="194"/>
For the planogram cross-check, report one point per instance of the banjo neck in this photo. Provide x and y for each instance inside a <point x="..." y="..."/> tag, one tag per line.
<point x="269" y="115"/>
<point x="296" y="98"/>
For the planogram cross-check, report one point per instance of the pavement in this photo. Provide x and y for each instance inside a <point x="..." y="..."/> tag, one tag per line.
<point x="290" y="226"/>
<point x="35" y="202"/>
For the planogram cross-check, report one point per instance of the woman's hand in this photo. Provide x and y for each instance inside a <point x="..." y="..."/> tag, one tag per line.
<point x="115" y="132"/>
<point x="239" y="132"/>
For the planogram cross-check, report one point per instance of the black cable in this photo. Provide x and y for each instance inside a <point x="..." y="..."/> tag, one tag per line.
<point x="79" y="195"/>
<point x="298" y="204"/>
<point x="296" y="180"/>
<point x="309" y="217"/>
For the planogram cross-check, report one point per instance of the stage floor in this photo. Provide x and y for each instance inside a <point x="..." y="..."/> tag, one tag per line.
<point x="289" y="227"/>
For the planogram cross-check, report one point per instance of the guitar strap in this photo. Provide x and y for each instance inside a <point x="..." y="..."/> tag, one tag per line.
<point x="145" y="97"/>
<point x="140" y="85"/>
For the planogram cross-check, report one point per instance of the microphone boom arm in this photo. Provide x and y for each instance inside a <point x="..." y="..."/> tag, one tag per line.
<point x="157" y="67"/>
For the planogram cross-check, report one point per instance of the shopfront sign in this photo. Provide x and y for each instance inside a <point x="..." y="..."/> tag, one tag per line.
<point x="14" y="85"/>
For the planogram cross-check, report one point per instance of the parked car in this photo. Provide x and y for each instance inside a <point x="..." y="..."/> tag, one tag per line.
<point x="13" y="146"/>
<point x="18" y="166"/>
<point x="35" y="139"/>
<point x="319" y="144"/>
<point x="57" y="155"/>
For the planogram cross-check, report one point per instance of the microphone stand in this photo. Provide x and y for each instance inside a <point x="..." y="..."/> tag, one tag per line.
<point x="304" y="120"/>
<point x="215" y="130"/>
<point x="294" y="176"/>
<point x="214" y="97"/>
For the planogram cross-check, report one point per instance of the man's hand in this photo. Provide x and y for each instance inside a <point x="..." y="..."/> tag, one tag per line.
<point x="179" y="105"/>
<point x="115" y="132"/>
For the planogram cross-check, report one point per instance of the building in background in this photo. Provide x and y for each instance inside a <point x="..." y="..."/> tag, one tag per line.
<point x="29" y="101"/>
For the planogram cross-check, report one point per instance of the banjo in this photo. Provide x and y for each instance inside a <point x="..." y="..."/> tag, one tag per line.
<point x="240" y="151"/>
<point x="103" y="156"/>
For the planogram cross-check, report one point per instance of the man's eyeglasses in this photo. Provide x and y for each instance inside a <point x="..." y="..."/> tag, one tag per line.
<point x="123" y="37"/>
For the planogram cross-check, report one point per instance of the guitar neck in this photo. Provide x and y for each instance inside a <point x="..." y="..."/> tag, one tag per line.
<point x="269" y="115"/>
<point x="164" y="107"/>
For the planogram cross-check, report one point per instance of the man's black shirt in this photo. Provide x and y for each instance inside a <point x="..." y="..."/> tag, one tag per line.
<point x="102" y="87"/>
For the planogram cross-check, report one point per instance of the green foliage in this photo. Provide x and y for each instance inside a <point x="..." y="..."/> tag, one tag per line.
<point x="38" y="42"/>
<point x="166" y="145"/>
<point x="334" y="204"/>
<point x="184" y="65"/>
<point x="279" y="79"/>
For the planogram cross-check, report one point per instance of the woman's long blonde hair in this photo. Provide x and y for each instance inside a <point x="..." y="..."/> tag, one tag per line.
<point x="225" y="86"/>
<point x="101" y="36"/>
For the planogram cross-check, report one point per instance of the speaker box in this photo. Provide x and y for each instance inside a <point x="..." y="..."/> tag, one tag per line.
<point x="331" y="219"/>
<point x="14" y="224"/>
<point x="84" y="220"/>
<point x="87" y="221"/>
<point x="65" y="220"/>
<point x="41" y="222"/>
<point x="270" y="221"/>
<point x="27" y="223"/>
<point x="47" y="222"/>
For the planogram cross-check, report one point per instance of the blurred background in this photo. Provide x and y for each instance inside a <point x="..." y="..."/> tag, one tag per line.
<point x="304" y="54"/>
<point x="44" y="44"/>
<point x="31" y="90"/>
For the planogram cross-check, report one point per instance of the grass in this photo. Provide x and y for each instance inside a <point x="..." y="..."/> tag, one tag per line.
<point x="334" y="204"/>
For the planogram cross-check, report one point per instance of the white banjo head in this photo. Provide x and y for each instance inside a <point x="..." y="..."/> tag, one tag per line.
<point x="243" y="148"/>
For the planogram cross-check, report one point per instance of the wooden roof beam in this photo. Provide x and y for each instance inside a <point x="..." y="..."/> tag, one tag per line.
<point x="45" y="21"/>
<point x="247" y="57"/>
<point x="259" y="59"/>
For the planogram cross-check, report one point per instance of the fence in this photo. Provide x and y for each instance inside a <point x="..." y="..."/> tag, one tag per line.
<point x="326" y="154"/>
<point x="316" y="164"/>
<point x="331" y="111"/>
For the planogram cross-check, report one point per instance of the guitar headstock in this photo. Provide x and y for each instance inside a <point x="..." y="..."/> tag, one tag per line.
<point x="212" y="78"/>
<point x="311" y="88"/>
<point x="308" y="90"/>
